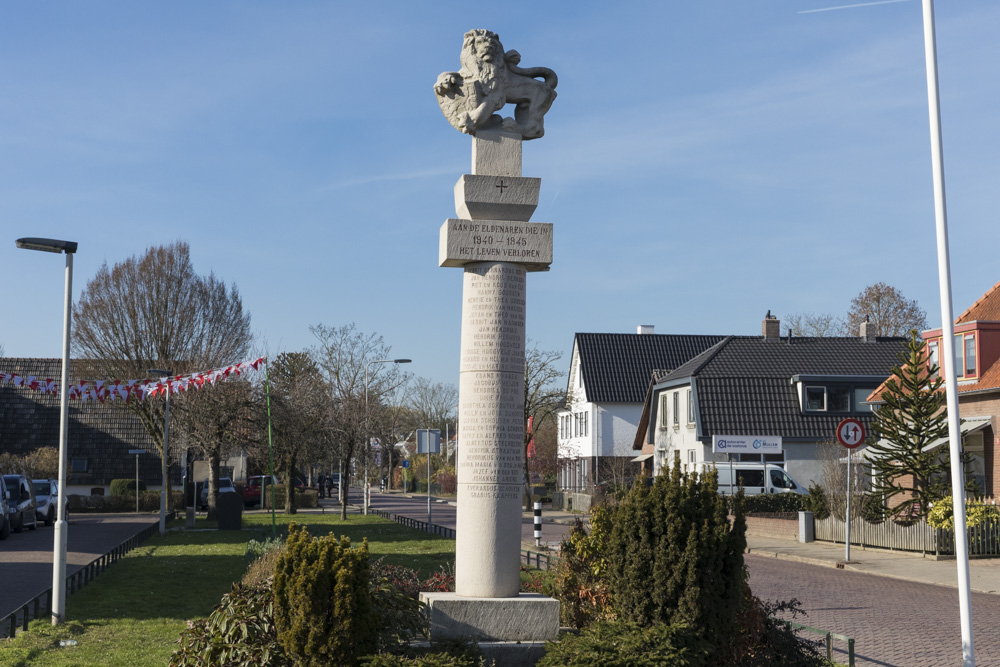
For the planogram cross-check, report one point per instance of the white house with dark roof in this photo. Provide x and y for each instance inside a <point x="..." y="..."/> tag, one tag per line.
<point x="795" y="388"/>
<point x="608" y="378"/>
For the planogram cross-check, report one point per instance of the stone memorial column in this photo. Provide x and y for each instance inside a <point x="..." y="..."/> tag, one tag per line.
<point x="492" y="239"/>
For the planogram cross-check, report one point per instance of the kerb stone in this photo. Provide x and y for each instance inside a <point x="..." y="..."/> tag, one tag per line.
<point x="529" y="617"/>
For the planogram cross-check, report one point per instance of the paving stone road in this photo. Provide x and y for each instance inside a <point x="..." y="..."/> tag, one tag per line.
<point x="26" y="557"/>
<point x="894" y="623"/>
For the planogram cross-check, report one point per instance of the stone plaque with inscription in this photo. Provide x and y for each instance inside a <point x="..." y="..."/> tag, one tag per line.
<point x="527" y="243"/>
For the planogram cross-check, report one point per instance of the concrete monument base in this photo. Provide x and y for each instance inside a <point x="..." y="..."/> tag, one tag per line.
<point x="529" y="617"/>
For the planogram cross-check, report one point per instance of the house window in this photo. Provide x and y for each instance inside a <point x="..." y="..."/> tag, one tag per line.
<point x="965" y="355"/>
<point x="970" y="355"/>
<point x="664" y="417"/>
<point x="690" y="408"/>
<point x="933" y="361"/>
<point x="777" y="459"/>
<point x="815" y="398"/>
<point x="839" y="399"/>
<point x="78" y="465"/>
<point x="691" y="455"/>
<point x="586" y="423"/>
<point x="748" y="458"/>
<point x="860" y="396"/>
<point x="677" y="408"/>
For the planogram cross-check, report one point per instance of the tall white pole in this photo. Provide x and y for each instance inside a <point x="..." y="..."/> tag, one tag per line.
<point x="60" y="535"/>
<point x="948" y="333"/>
<point x="163" y="492"/>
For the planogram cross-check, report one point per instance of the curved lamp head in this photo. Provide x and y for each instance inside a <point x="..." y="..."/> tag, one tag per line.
<point x="47" y="245"/>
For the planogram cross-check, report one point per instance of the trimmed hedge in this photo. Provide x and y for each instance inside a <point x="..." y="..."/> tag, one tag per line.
<point x="303" y="498"/>
<point x="124" y="487"/>
<point x="769" y="503"/>
<point x="149" y="501"/>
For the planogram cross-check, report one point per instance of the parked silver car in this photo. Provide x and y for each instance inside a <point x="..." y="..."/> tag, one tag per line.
<point x="46" y="491"/>
<point x="21" y="503"/>
<point x="225" y="486"/>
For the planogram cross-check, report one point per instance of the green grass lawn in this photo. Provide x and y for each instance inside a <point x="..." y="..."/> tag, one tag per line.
<point x="134" y="612"/>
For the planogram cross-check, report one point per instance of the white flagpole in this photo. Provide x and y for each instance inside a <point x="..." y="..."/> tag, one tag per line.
<point x="948" y="332"/>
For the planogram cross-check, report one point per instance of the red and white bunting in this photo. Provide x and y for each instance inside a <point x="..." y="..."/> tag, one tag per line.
<point x="126" y="390"/>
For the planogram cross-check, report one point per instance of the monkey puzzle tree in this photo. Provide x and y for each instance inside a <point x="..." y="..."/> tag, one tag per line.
<point x="910" y="419"/>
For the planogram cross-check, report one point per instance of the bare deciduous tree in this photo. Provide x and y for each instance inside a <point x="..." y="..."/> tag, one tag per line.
<point x="888" y="312"/>
<point x="344" y="355"/>
<point x="155" y="310"/>
<point x="542" y="397"/>
<point x="300" y="414"/>
<point x="811" y="325"/>
<point x="217" y="424"/>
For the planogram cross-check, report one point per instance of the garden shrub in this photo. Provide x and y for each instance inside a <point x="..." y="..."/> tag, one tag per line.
<point x="977" y="512"/>
<point x="762" y="640"/>
<point x="303" y="498"/>
<point x="149" y="501"/>
<point x="261" y="558"/>
<point x="583" y="593"/>
<point x="816" y="503"/>
<point x="672" y="557"/>
<point x="767" y="503"/>
<point x="322" y="604"/>
<point x="126" y="487"/>
<point x="240" y="632"/>
<point x="625" y="644"/>
<point x="452" y="653"/>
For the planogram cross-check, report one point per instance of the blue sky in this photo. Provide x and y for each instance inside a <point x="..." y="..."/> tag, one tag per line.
<point x="704" y="162"/>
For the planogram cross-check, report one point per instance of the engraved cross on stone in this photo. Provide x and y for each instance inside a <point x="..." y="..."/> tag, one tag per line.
<point x="501" y="186"/>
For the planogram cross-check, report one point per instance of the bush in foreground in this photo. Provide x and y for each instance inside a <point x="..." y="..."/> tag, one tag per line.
<point x="625" y="644"/>
<point x="322" y="606"/>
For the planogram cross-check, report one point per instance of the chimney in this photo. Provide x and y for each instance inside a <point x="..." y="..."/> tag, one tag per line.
<point x="771" y="328"/>
<point x="645" y="329"/>
<point x="864" y="331"/>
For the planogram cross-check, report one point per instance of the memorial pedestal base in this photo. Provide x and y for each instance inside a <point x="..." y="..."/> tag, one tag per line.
<point x="529" y="617"/>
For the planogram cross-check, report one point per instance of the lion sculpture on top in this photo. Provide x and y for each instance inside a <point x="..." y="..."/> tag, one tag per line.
<point x="488" y="80"/>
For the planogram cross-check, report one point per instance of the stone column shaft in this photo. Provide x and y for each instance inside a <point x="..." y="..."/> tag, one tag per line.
<point x="490" y="463"/>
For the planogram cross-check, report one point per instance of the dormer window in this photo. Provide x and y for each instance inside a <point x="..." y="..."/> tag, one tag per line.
<point x="837" y="397"/>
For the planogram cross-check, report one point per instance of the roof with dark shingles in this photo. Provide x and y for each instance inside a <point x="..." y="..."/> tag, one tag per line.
<point x="617" y="367"/>
<point x="100" y="432"/>
<point x="744" y="387"/>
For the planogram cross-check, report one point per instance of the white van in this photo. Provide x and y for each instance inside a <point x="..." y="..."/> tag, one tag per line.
<point x="756" y="478"/>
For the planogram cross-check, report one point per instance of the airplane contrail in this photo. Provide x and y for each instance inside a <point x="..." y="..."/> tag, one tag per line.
<point x="863" y="4"/>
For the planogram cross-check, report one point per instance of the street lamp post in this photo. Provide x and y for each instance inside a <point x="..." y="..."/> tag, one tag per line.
<point x="60" y="536"/>
<point x="364" y="486"/>
<point x="166" y="432"/>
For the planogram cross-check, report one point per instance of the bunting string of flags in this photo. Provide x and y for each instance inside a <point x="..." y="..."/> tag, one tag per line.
<point x="127" y="390"/>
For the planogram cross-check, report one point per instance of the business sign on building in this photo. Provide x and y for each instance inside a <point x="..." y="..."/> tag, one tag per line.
<point x="746" y="444"/>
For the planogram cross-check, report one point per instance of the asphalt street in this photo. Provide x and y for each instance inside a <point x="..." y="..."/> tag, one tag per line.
<point x="26" y="557"/>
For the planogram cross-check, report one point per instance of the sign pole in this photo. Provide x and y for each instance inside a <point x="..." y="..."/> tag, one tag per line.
<point x="847" y="536"/>
<point x="850" y="433"/>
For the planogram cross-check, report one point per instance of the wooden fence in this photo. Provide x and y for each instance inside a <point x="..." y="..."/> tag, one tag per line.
<point x="984" y="539"/>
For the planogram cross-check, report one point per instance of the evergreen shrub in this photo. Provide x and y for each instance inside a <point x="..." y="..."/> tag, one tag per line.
<point x="125" y="487"/>
<point x="322" y="605"/>
<point x="816" y="503"/>
<point x="625" y="644"/>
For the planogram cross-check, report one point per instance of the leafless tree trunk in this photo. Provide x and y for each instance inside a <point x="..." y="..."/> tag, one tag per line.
<point x="542" y="398"/>
<point x="345" y="356"/>
<point x="155" y="311"/>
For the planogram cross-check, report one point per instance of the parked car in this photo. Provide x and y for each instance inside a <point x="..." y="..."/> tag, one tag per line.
<point x="21" y="503"/>
<point x="225" y="486"/>
<point x="4" y="511"/>
<point x="252" y="490"/>
<point x="46" y="492"/>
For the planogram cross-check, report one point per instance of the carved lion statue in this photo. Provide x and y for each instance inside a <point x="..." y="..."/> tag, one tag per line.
<point x="488" y="80"/>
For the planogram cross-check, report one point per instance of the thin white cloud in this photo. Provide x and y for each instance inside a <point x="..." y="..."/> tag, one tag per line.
<point x="863" y="4"/>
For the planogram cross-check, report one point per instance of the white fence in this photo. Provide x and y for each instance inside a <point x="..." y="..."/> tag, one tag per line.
<point x="984" y="539"/>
